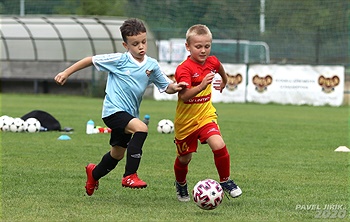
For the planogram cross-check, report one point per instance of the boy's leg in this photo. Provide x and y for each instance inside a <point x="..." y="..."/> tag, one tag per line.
<point x="222" y="163"/>
<point x="185" y="148"/>
<point x="118" y="140"/>
<point x="181" y="170"/>
<point x="133" y="159"/>
<point x="107" y="164"/>
<point x="95" y="172"/>
<point x="134" y="153"/>
<point x="211" y="134"/>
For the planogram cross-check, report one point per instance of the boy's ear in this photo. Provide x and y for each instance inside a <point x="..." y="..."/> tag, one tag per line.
<point x="187" y="46"/>
<point x="125" y="46"/>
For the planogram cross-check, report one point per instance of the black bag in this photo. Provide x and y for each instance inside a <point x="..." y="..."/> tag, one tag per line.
<point x="47" y="120"/>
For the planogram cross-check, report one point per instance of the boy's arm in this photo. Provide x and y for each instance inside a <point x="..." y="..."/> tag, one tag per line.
<point x="188" y="93"/>
<point x="220" y="85"/>
<point x="62" y="77"/>
<point x="175" y="87"/>
<point x="223" y="74"/>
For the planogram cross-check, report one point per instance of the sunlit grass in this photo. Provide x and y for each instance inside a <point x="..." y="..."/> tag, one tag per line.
<point x="282" y="156"/>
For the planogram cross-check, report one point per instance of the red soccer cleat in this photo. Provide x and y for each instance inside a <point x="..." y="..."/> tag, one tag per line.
<point x="91" y="183"/>
<point x="133" y="181"/>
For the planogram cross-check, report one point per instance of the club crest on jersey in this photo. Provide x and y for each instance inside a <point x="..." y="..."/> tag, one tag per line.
<point x="148" y="72"/>
<point x="195" y="75"/>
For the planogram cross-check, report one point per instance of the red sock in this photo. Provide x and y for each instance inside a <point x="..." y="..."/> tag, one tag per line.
<point x="181" y="171"/>
<point x="222" y="163"/>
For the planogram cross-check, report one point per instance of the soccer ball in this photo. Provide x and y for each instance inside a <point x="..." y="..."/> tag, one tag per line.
<point x="208" y="194"/>
<point x="32" y="125"/>
<point x="2" y="121"/>
<point x="17" y="125"/>
<point x="165" y="126"/>
<point x="6" y="123"/>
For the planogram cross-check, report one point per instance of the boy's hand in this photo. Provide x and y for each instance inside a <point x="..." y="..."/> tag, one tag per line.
<point x="179" y="86"/>
<point x="207" y="80"/>
<point x="218" y="84"/>
<point x="61" y="78"/>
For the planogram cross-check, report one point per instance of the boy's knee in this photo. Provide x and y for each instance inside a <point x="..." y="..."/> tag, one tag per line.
<point x="185" y="159"/>
<point x="117" y="152"/>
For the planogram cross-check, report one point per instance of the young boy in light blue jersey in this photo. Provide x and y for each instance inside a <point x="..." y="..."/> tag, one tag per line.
<point x="129" y="74"/>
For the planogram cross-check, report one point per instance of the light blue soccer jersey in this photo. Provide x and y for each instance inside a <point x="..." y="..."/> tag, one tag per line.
<point x="127" y="81"/>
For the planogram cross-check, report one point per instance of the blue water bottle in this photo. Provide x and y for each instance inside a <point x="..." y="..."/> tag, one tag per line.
<point x="90" y="125"/>
<point x="146" y="119"/>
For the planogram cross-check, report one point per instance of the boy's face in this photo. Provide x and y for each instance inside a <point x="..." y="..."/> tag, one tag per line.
<point x="199" y="47"/>
<point x="137" y="46"/>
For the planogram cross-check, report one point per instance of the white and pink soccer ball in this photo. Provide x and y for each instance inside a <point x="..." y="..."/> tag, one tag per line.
<point x="207" y="194"/>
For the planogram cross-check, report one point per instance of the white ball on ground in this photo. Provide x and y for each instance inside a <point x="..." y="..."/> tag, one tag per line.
<point x="7" y="121"/>
<point x="32" y="125"/>
<point x="2" y="121"/>
<point x="17" y="125"/>
<point x="165" y="126"/>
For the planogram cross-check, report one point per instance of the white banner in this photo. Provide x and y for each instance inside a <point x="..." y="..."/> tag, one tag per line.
<point x="296" y="84"/>
<point x="235" y="89"/>
<point x="173" y="50"/>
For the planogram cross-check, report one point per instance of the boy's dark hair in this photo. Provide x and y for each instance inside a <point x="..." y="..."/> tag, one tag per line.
<point x="132" y="27"/>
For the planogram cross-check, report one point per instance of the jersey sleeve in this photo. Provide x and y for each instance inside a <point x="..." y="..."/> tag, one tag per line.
<point x="216" y="63"/>
<point x="106" y="62"/>
<point x="160" y="79"/>
<point x="182" y="74"/>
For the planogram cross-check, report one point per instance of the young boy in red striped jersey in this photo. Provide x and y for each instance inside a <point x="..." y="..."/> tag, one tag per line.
<point x="196" y="117"/>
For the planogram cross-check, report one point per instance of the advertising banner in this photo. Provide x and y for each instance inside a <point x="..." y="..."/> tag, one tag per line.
<point x="296" y="84"/>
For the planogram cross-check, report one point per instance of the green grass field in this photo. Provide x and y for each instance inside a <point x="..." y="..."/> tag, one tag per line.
<point x="282" y="157"/>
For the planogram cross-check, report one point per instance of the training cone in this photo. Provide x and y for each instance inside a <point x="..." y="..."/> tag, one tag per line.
<point x="342" y="149"/>
<point x="64" y="137"/>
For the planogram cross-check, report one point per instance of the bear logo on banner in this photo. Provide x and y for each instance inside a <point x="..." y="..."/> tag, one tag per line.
<point x="328" y="84"/>
<point x="261" y="83"/>
<point x="233" y="81"/>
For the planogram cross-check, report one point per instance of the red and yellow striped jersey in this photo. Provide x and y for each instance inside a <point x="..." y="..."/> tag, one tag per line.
<point x="199" y="110"/>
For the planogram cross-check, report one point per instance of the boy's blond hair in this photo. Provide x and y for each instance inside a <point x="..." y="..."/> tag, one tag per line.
<point x="198" y="29"/>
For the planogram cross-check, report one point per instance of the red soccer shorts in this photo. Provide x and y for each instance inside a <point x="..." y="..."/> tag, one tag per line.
<point x="190" y="143"/>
